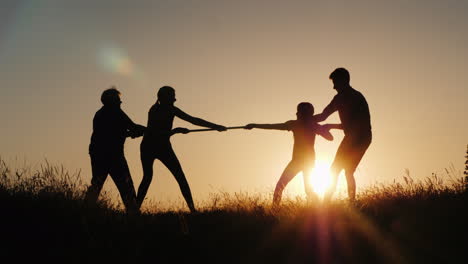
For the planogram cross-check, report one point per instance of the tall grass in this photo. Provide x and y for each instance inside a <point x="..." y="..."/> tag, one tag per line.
<point x="408" y="188"/>
<point x="54" y="180"/>
<point x="48" y="181"/>
<point x="407" y="221"/>
<point x="48" y="178"/>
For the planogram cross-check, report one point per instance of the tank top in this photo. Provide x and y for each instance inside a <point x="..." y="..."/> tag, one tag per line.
<point x="160" y="121"/>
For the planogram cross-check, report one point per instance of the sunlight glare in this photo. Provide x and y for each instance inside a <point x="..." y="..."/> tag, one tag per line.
<point x="320" y="178"/>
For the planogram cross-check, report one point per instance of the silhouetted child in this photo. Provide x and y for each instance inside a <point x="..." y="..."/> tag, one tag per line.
<point x="156" y="143"/>
<point x="303" y="159"/>
<point x="111" y="126"/>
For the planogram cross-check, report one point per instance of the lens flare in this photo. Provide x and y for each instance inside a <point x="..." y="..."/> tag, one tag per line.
<point x="115" y="60"/>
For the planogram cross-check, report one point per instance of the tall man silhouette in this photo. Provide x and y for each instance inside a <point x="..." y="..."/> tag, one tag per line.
<point x="354" y="113"/>
<point x="111" y="126"/>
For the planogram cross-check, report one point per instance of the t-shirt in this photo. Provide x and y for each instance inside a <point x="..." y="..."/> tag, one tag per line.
<point x="354" y="113"/>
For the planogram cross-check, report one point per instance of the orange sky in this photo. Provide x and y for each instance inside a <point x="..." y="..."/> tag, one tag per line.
<point x="236" y="62"/>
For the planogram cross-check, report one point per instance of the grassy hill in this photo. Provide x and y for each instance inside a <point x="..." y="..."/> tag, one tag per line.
<point x="43" y="218"/>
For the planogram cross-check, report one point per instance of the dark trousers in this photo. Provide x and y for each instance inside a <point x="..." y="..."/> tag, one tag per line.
<point x="117" y="167"/>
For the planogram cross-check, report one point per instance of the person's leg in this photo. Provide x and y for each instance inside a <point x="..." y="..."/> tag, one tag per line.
<point x="99" y="168"/>
<point x="147" y="164"/>
<point x="334" y="173"/>
<point x="336" y="167"/>
<point x="169" y="159"/>
<point x="351" y="183"/>
<point x="354" y="158"/>
<point x="288" y="174"/>
<point x="306" y="173"/>
<point x="120" y="173"/>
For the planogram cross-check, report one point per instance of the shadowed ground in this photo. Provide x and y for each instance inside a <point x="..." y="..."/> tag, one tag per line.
<point x="412" y="223"/>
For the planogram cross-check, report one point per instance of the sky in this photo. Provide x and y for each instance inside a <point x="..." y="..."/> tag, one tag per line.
<point x="233" y="63"/>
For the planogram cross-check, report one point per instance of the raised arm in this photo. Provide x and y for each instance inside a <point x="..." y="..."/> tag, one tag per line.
<point x="197" y="121"/>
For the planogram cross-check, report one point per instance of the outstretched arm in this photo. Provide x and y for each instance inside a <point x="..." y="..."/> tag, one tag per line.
<point x="332" y="126"/>
<point x="280" y="126"/>
<point x="197" y="121"/>
<point x="330" y="109"/>
<point x="136" y="131"/>
<point x="133" y="130"/>
<point x="179" y="130"/>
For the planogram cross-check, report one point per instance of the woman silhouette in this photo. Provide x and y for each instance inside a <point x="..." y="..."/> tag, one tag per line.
<point x="156" y="143"/>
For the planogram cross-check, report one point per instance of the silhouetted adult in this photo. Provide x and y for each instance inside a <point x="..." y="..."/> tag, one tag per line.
<point x="111" y="126"/>
<point x="354" y="113"/>
<point x="304" y="129"/>
<point x="156" y="142"/>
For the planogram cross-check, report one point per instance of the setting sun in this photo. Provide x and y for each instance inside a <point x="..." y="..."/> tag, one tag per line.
<point x="320" y="178"/>
<point x="234" y="131"/>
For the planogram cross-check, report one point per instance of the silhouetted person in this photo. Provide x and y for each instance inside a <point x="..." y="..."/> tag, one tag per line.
<point x="353" y="110"/>
<point x="111" y="126"/>
<point x="156" y="142"/>
<point x="303" y="159"/>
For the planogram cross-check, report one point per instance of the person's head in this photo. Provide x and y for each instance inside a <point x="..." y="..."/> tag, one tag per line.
<point x="111" y="97"/>
<point x="166" y="95"/>
<point x="305" y="111"/>
<point x="340" y="78"/>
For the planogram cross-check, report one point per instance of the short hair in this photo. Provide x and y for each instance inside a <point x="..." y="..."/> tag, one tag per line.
<point x="305" y="109"/>
<point x="108" y="96"/>
<point x="163" y="91"/>
<point x="340" y="74"/>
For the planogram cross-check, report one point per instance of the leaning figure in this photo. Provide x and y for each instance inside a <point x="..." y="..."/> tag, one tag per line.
<point x="156" y="142"/>
<point x="354" y="114"/>
<point x="111" y="126"/>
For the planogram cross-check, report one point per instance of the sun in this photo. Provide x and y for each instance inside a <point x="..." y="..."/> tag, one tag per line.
<point x="320" y="178"/>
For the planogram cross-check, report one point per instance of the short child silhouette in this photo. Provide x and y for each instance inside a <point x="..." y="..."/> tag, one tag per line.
<point x="304" y="129"/>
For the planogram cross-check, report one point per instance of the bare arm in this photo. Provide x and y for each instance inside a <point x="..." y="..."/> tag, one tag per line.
<point x="321" y="117"/>
<point x="197" y="121"/>
<point x="330" y="109"/>
<point x="280" y="126"/>
<point x="179" y="130"/>
<point x="333" y="126"/>
<point x="324" y="130"/>
<point x="324" y="115"/>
